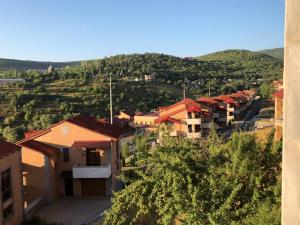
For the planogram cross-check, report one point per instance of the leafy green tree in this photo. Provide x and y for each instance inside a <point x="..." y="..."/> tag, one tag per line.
<point x="204" y="182"/>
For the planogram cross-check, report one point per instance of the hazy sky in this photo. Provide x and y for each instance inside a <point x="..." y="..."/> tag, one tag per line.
<point x="61" y="30"/>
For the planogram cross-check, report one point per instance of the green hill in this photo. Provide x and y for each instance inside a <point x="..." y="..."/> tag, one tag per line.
<point x="277" y="53"/>
<point x="11" y="64"/>
<point x="46" y="98"/>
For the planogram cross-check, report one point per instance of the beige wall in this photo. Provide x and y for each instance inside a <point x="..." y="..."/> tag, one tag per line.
<point x="278" y="108"/>
<point x="61" y="136"/>
<point x="145" y="120"/>
<point x="291" y="127"/>
<point x="13" y="161"/>
<point x="39" y="176"/>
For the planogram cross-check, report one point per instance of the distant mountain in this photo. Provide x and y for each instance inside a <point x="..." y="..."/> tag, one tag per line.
<point x="277" y="53"/>
<point x="8" y="64"/>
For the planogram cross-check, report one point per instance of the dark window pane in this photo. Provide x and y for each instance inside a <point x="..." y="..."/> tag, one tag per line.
<point x="6" y="184"/>
<point x="7" y="212"/>
<point x="190" y="128"/>
<point x="66" y="154"/>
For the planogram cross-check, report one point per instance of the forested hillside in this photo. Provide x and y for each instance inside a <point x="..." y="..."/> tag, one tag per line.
<point x="45" y="98"/>
<point x="277" y="53"/>
<point x="9" y="64"/>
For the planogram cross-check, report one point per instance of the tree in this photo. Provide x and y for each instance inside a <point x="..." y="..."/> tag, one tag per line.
<point x="203" y="182"/>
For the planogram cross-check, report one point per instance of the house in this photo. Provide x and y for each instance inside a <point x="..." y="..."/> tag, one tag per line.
<point x="230" y="105"/>
<point x="278" y="99"/>
<point x="79" y="156"/>
<point x="186" y="118"/>
<point x="145" y="121"/>
<point x="125" y="118"/>
<point x="212" y="106"/>
<point x="149" y="77"/>
<point x="11" y="202"/>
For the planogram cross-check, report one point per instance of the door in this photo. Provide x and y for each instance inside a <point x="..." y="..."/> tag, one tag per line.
<point x="93" y="187"/>
<point x="93" y="157"/>
<point x="68" y="186"/>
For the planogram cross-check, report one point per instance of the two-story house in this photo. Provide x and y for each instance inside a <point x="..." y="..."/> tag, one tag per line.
<point x="11" y="202"/>
<point x="186" y="119"/>
<point x="79" y="156"/>
<point x="230" y="105"/>
<point x="212" y="106"/>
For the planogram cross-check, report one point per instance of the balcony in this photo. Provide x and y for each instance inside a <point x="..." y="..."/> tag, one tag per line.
<point x="194" y="135"/>
<point x="230" y="109"/>
<point x="206" y="125"/>
<point x="215" y="115"/>
<point x="193" y="121"/>
<point x="91" y="171"/>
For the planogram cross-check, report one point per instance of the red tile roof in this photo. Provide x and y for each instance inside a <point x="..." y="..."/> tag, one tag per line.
<point x="279" y="94"/>
<point x="226" y="98"/>
<point x="90" y="123"/>
<point x="7" y="148"/>
<point x="40" y="147"/>
<point x="187" y="105"/>
<point x="101" y="127"/>
<point x="207" y="100"/>
<point x="31" y="133"/>
<point x="182" y="102"/>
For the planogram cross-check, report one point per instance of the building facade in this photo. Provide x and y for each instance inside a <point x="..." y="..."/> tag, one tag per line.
<point x="11" y="202"/>
<point x="185" y="118"/>
<point x="291" y="124"/>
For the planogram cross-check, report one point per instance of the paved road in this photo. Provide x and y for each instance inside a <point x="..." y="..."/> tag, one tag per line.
<point x="74" y="210"/>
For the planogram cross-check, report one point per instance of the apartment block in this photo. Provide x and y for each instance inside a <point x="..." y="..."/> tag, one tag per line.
<point x="11" y="202"/>
<point x="79" y="156"/>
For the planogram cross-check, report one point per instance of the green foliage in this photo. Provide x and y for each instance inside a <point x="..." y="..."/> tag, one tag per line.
<point x="203" y="182"/>
<point x="277" y="53"/>
<point x="83" y="89"/>
<point x="266" y="90"/>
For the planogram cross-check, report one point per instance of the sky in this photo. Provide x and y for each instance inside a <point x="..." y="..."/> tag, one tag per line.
<point x="66" y="30"/>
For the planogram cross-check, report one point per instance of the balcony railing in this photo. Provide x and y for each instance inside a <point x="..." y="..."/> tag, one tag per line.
<point x="91" y="171"/>
<point x="194" y="121"/>
<point x="194" y="135"/>
<point x="206" y="125"/>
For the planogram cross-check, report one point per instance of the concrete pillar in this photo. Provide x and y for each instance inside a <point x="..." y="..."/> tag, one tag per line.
<point x="291" y="128"/>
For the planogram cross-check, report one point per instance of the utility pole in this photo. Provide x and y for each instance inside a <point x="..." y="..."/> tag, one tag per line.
<point x="208" y="89"/>
<point x="110" y="100"/>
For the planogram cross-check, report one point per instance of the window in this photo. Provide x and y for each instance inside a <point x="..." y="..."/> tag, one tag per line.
<point x="8" y="212"/>
<point x="190" y="129"/>
<point x="197" y="115"/>
<point x="93" y="157"/>
<point x="66" y="154"/>
<point x="197" y="128"/>
<point x="6" y="184"/>
<point x="190" y="115"/>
